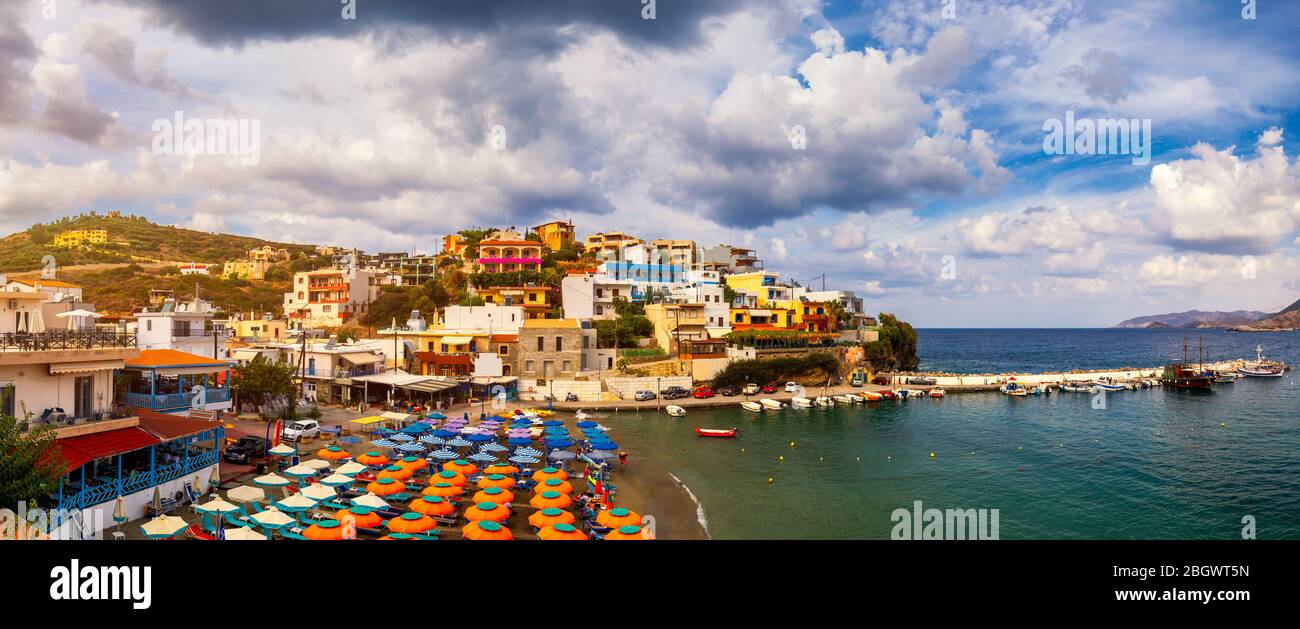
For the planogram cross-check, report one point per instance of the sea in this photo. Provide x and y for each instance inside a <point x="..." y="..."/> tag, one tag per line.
<point x="1146" y="464"/>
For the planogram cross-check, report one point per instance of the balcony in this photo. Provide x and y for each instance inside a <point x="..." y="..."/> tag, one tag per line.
<point x="509" y="260"/>
<point x="175" y="401"/>
<point x="64" y="339"/>
<point x="184" y="332"/>
<point x="312" y="372"/>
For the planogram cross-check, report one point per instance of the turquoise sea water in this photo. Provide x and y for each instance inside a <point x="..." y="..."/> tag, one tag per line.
<point x="1153" y="464"/>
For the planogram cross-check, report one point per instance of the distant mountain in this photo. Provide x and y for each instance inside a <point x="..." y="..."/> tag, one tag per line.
<point x="1287" y="319"/>
<point x="1196" y="319"/>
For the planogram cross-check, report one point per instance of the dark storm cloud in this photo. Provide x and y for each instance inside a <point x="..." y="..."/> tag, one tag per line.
<point x="532" y="24"/>
<point x="17" y="51"/>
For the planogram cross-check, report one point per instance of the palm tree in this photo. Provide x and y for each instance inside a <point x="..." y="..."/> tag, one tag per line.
<point x="837" y="314"/>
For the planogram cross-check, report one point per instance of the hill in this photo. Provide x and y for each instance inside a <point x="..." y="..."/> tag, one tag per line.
<point x="1286" y="319"/>
<point x="121" y="289"/>
<point x="129" y="239"/>
<point x="1196" y="319"/>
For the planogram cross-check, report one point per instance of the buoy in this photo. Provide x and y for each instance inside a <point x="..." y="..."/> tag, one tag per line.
<point x="889" y="458"/>
<point x="972" y="452"/>
<point x="771" y="480"/>
<point x="742" y="450"/>
<point x="1020" y="447"/>
<point x="791" y="444"/>
<point x="780" y="458"/>
<point x="822" y="459"/>
<point x="1223" y="424"/>
<point x="932" y="455"/>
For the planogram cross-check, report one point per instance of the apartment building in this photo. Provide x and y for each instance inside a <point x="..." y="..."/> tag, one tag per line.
<point x="591" y="295"/>
<point x="329" y="297"/>
<point x="505" y="251"/>
<point x="556" y="235"/>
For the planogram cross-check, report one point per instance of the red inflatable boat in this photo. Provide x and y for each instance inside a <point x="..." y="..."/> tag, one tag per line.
<point x="708" y="432"/>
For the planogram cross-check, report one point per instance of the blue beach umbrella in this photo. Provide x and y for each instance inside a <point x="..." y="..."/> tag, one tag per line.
<point x="458" y="442"/>
<point x="519" y="441"/>
<point x="411" y="447"/>
<point x="445" y="455"/>
<point x="350" y="440"/>
<point x="435" y="416"/>
<point x="529" y="451"/>
<point x="552" y="423"/>
<point x="444" y="433"/>
<point x="432" y="440"/>
<point x="604" y="445"/>
<point x="586" y="423"/>
<point x="494" y="447"/>
<point x="561" y="455"/>
<point x="402" y="437"/>
<point x="599" y="455"/>
<point x="522" y="459"/>
<point x="384" y="443"/>
<point x="559" y="443"/>
<point x="478" y="438"/>
<point x="482" y="457"/>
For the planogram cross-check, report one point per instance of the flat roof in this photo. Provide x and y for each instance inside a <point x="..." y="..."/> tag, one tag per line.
<point x="154" y="358"/>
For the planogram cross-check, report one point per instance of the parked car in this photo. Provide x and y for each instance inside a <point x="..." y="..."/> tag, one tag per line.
<point x="674" y="392"/>
<point x="729" y="391"/>
<point x="770" y="388"/>
<point x="301" y="429"/>
<point x="881" y="380"/>
<point x="245" y="451"/>
<point x="791" y="387"/>
<point x="703" y="393"/>
<point x="642" y="396"/>
<point x="751" y="389"/>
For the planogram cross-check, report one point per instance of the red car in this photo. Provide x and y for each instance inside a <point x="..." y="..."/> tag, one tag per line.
<point x="702" y="393"/>
<point x="769" y="388"/>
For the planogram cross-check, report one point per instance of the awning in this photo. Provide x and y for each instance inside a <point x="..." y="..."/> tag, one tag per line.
<point x="391" y="378"/>
<point x="489" y="381"/>
<point x="456" y="340"/>
<point x="87" y="366"/>
<point x="431" y="385"/>
<point x="246" y="354"/>
<point x="373" y="419"/>
<point x="362" y="359"/>
<point x="77" y="451"/>
<point x="399" y="417"/>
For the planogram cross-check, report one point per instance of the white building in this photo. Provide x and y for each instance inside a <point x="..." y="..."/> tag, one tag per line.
<point x="182" y="326"/>
<point x="716" y="308"/>
<point x="194" y="268"/>
<point x="497" y="319"/>
<point x="329" y="297"/>
<point x="592" y="296"/>
<point x="56" y="289"/>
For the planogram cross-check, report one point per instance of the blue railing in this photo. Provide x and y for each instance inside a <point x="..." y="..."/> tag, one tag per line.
<point x="162" y="473"/>
<point x="165" y="401"/>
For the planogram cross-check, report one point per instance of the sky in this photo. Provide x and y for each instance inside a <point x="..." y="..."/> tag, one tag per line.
<point x="903" y="150"/>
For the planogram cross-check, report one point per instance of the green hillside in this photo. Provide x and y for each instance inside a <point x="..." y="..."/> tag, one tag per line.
<point x="130" y="239"/>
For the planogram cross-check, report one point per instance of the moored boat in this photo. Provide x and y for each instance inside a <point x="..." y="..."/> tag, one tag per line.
<point x="770" y="404"/>
<point x="753" y="407"/>
<point x="871" y="396"/>
<point x="800" y="402"/>
<point x="822" y="400"/>
<point x="937" y="392"/>
<point x="847" y="399"/>
<point x="1262" y="368"/>
<point x="675" y="410"/>
<point x="713" y="432"/>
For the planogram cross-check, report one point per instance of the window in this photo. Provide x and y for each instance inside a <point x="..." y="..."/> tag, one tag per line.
<point x="83" y="393"/>
<point x="541" y="344"/>
<point x="739" y="317"/>
<point x="600" y="292"/>
<point x="532" y="296"/>
<point x="8" y="393"/>
<point x="600" y="310"/>
<point x="568" y="366"/>
<point x="559" y="343"/>
<point x="528" y="366"/>
<point x="586" y="342"/>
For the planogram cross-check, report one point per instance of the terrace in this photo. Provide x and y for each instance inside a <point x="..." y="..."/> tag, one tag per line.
<point x="64" y="340"/>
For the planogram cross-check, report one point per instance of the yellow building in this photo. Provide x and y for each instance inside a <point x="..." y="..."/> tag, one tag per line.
<point x="536" y="300"/>
<point x="245" y="269"/>
<point x="762" y="319"/>
<point x="764" y="286"/>
<point x="675" y="323"/>
<point x="267" y="253"/>
<point x="679" y="252"/>
<point x="75" y="238"/>
<point x="453" y="245"/>
<point x="557" y="235"/>
<point x="609" y="242"/>
<point x="809" y="316"/>
<point x="258" y="330"/>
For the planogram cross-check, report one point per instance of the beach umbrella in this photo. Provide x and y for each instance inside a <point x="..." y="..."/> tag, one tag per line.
<point x="618" y="516"/>
<point x="551" y="499"/>
<point x="555" y="484"/>
<point x="216" y="506"/>
<point x="372" y="458"/>
<point x="395" y="472"/>
<point x="600" y="455"/>
<point x="319" y="492"/>
<point x="362" y="517"/>
<point x="432" y="505"/>
<point x="246" y="493"/>
<point x="336" y="480"/>
<point x="435" y="416"/>
<point x="283" y="449"/>
<point x="560" y="531"/>
<point x="500" y="468"/>
<point x="628" y="532"/>
<point x="443" y="490"/>
<point x="411" y="522"/>
<point x="163" y="526"/>
<point x="497" y="481"/>
<point x="410" y="447"/>
<point x="271" y="480"/>
<point x="547" y="473"/>
<point x="413" y="463"/>
<point x="550" y="516"/>
<point x="272" y="518"/>
<point x="482" y="457"/>
<point x="460" y="465"/>
<point x="604" y="445"/>
<point x="296" y="502"/>
<point x="119" y="511"/>
<point x="494" y="494"/>
<point x="586" y="423"/>
<point x="243" y="533"/>
<point x="561" y="455"/>
<point x="443" y="454"/>
<point x="559" y="443"/>
<point x="457" y="442"/>
<point x="215" y="479"/>
<point x="351" y="468"/>
<point x="486" y="530"/>
<point x="529" y="451"/>
<point x="300" y="471"/>
<point x="383" y="432"/>
<point x="487" y="511"/>
<point x="494" y="447"/>
<point x="432" y="440"/>
<point x="350" y="440"/>
<point x="551" y="423"/>
<point x="384" y="443"/>
<point x="444" y="433"/>
<point x="450" y="476"/>
<point x="325" y="529"/>
<point x="417" y="428"/>
<point x="386" y="487"/>
<point x="478" y="438"/>
<point x="401" y="437"/>
<point x="522" y="460"/>
<point x="333" y="453"/>
<point x="370" y="500"/>
<point x="519" y="441"/>
<point x="317" y="464"/>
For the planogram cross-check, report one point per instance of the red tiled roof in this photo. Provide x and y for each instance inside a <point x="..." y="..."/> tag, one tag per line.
<point x="78" y="451"/>
<point x="167" y="427"/>
<point x="505" y="338"/>
<point x="171" y="358"/>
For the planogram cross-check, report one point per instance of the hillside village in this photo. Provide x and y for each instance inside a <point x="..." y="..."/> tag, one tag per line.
<point x="531" y="314"/>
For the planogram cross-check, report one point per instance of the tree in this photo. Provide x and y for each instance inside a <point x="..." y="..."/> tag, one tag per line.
<point x="260" y="381"/>
<point x="837" y="313"/>
<point x="31" y="465"/>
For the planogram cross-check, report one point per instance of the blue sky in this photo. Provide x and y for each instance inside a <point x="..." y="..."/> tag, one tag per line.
<point x="922" y="136"/>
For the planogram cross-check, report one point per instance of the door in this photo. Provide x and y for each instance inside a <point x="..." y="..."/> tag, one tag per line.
<point x="83" y="389"/>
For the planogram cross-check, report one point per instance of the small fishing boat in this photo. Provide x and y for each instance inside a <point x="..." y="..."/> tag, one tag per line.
<point x="822" y="400"/>
<point x="1226" y="378"/>
<point x="848" y="399"/>
<point x="1014" y="389"/>
<point x="1109" y="386"/>
<point x="581" y="415"/>
<point x="800" y="402"/>
<point x="770" y="404"/>
<point x="675" y="410"/>
<point x="1262" y="368"/>
<point x="712" y="432"/>
<point x="1075" y="386"/>
<point x="871" y="396"/>
<point x="753" y="407"/>
<point x="888" y="395"/>
<point x="937" y="392"/>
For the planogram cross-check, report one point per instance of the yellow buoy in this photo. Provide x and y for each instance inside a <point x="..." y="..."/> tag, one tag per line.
<point x="780" y="458"/>
<point x="1223" y="424"/>
<point x="771" y="480"/>
<point x="791" y="444"/>
<point x="932" y="455"/>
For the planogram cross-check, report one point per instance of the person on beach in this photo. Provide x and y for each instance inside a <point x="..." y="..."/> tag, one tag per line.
<point x="622" y="457"/>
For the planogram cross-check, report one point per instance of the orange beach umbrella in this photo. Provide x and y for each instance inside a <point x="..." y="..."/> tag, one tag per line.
<point x="551" y="516"/>
<point x="372" y="458"/>
<point x="362" y="517"/>
<point x="561" y="531"/>
<point x="386" y="487"/>
<point x="500" y="468"/>
<point x="449" y="476"/>
<point x="495" y="494"/>
<point x="333" y="453"/>
<point x="496" y="480"/>
<point x="618" y="516"/>
<point x="460" y="465"/>
<point x="395" y="472"/>
<point x="490" y="511"/>
<point x="432" y="505"/>
<point x="413" y="463"/>
<point x="628" y="532"/>
<point x="549" y="472"/>
<point x="555" y="484"/>
<point x="551" y="499"/>
<point x="411" y="522"/>
<point x="325" y="529"/>
<point x="444" y="490"/>
<point x="486" y="530"/>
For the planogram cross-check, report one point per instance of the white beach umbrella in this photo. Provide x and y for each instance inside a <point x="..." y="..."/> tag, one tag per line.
<point x="319" y="492"/>
<point x="272" y="517"/>
<point x="244" y="533"/>
<point x="283" y="450"/>
<point x="301" y="470"/>
<point x="351" y="468"/>
<point x="163" y="526"/>
<point x="336" y="479"/>
<point x="316" y="464"/>
<point x="370" y="500"/>
<point x="119" y="510"/>
<point x="271" y="480"/>
<point x="38" y="321"/>
<point x="296" y="502"/>
<point x="246" y="493"/>
<point x="216" y="506"/>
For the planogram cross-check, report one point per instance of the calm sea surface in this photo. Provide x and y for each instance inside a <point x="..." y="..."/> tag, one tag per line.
<point x="1152" y="464"/>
